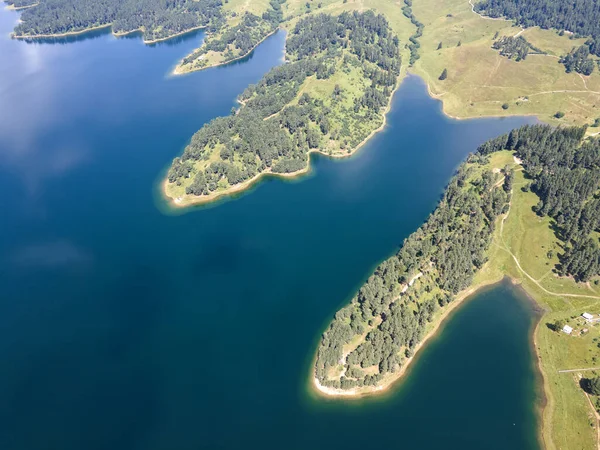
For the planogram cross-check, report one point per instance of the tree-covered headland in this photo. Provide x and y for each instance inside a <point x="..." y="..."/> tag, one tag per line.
<point x="370" y="339"/>
<point x="329" y="96"/>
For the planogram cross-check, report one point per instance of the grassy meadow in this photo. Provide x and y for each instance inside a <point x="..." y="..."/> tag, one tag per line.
<point x="480" y="81"/>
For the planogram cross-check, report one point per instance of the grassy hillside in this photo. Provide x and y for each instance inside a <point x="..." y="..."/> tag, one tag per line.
<point x="480" y="81"/>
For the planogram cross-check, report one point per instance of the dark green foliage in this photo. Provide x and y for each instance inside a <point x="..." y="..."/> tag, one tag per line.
<point x="596" y="123"/>
<point x="414" y="39"/>
<point x="559" y="115"/>
<point x="516" y="48"/>
<point x="448" y="249"/>
<point x="443" y="75"/>
<point x="592" y="385"/>
<point x="558" y="325"/>
<point x="159" y="18"/>
<point x="509" y="176"/>
<point x="268" y="133"/>
<point x="505" y="106"/>
<point x="582" y="17"/>
<point x="578" y="60"/>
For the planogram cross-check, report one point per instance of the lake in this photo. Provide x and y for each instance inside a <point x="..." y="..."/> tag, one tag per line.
<point x="125" y="326"/>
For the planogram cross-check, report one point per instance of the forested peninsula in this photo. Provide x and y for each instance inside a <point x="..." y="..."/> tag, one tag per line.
<point x="371" y="340"/>
<point x="329" y="97"/>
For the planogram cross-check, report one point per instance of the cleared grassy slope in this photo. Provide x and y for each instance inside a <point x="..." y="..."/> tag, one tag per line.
<point x="480" y="81"/>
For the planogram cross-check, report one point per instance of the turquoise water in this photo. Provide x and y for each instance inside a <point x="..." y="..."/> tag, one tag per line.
<point x="123" y="327"/>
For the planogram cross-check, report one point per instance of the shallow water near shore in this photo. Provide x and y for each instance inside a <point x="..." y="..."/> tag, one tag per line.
<point x="122" y="327"/>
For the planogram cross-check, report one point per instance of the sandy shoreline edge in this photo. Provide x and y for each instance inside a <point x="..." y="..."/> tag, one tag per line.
<point x="389" y="381"/>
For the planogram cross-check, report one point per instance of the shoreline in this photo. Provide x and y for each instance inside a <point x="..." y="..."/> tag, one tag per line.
<point x="177" y="71"/>
<point x="183" y="202"/>
<point x="59" y="35"/>
<point x="181" y="33"/>
<point x="544" y="394"/>
<point x="486" y="116"/>
<point x="116" y="34"/>
<point x="19" y="8"/>
<point x="388" y="382"/>
<point x="542" y="390"/>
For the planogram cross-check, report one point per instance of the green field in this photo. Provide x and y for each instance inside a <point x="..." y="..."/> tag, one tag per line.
<point x="536" y="86"/>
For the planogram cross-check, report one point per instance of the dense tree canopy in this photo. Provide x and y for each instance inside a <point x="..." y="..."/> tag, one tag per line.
<point x="581" y="17"/>
<point x="157" y="18"/>
<point x="276" y="127"/>
<point x="578" y="60"/>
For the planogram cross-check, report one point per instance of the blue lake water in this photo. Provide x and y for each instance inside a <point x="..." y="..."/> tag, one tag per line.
<point x="123" y="326"/>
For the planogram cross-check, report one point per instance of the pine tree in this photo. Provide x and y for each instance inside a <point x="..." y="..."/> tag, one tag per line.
<point x="444" y="75"/>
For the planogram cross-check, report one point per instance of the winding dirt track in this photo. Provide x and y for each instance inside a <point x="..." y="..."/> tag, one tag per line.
<point x="505" y="247"/>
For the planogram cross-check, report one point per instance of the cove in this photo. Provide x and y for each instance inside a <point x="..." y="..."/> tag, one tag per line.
<point x="123" y="327"/>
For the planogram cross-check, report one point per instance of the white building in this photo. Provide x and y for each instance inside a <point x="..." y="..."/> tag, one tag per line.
<point x="567" y="329"/>
<point x="587" y="316"/>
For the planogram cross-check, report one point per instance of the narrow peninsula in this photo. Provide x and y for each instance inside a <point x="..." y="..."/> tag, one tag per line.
<point x="370" y="342"/>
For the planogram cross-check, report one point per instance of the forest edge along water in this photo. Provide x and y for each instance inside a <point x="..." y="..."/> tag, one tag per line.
<point x="202" y="249"/>
<point x="389" y="382"/>
<point x="471" y="299"/>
